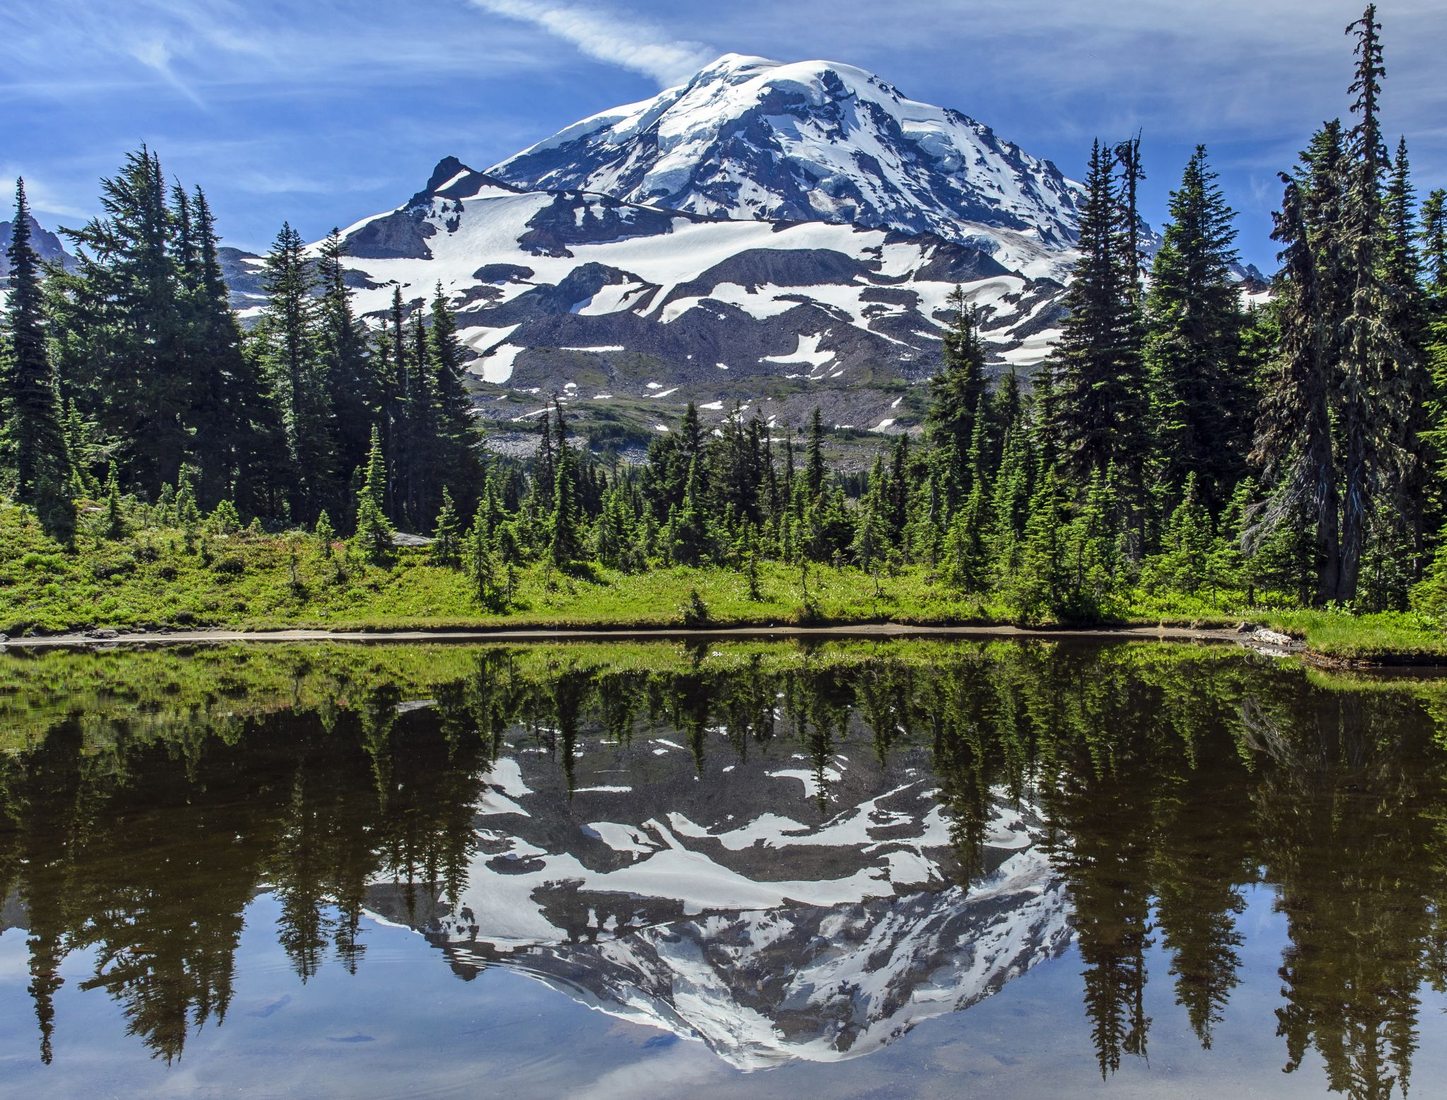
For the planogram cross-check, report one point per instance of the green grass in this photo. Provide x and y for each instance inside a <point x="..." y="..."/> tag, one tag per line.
<point x="1383" y="637"/>
<point x="245" y="581"/>
<point x="150" y="579"/>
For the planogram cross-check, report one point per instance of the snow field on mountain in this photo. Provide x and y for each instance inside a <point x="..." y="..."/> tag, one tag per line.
<point x="833" y="123"/>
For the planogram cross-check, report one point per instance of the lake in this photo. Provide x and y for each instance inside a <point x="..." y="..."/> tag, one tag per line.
<point x="927" y="868"/>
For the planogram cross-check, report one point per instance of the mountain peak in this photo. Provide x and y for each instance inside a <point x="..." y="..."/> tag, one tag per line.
<point x="448" y="169"/>
<point x="733" y="63"/>
<point x="749" y="138"/>
<point x="452" y="179"/>
<point x="47" y="245"/>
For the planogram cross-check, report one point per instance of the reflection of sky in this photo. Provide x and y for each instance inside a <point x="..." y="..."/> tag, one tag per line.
<point x="404" y="1025"/>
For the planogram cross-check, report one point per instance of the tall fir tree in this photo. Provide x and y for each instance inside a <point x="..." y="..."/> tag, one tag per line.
<point x="373" y="534"/>
<point x="1201" y="400"/>
<point x="956" y="389"/>
<point x="119" y="328"/>
<point x="815" y="469"/>
<point x="565" y="543"/>
<point x="286" y="345"/>
<point x="1293" y="446"/>
<point x="1399" y="535"/>
<point x="238" y="437"/>
<point x="459" y="464"/>
<point x="1100" y="396"/>
<point x="29" y="400"/>
<point x="1366" y="363"/>
<point x="352" y="392"/>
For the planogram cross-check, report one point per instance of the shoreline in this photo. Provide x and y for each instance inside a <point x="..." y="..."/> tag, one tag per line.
<point x="1259" y="640"/>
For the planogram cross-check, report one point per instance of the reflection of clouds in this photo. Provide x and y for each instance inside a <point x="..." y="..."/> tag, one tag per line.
<point x="670" y="1072"/>
<point x="14" y="960"/>
<point x="44" y="199"/>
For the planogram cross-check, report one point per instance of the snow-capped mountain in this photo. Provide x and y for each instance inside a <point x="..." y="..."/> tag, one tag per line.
<point x="628" y="306"/>
<point x="815" y="141"/>
<point x="773" y="908"/>
<point x="778" y="237"/>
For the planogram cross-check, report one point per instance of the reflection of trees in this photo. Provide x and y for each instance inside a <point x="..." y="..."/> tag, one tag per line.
<point x="1349" y="802"/>
<point x="1164" y="778"/>
<point x="1160" y="798"/>
<point x="152" y="866"/>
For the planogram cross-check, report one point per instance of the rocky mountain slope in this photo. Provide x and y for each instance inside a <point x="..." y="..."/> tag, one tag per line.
<point x="769" y="236"/>
<point x="631" y="310"/>
<point x="47" y="245"/>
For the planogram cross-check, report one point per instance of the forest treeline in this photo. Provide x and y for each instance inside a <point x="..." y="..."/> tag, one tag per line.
<point x="1293" y="453"/>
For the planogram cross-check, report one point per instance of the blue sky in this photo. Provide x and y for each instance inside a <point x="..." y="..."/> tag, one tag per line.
<point x="325" y="111"/>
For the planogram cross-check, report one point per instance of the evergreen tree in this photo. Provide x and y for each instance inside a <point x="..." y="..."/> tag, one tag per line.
<point x="1010" y="502"/>
<point x="1101" y="400"/>
<point x="239" y="441"/>
<point x="687" y="525"/>
<point x="1336" y="434"/>
<point x="966" y="550"/>
<point x="29" y="401"/>
<point x="325" y="534"/>
<point x="373" y="531"/>
<point x="614" y="537"/>
<point x="1294" y="447"/>
<point x="286" y="345"/>
<point x="352" y="391"/>
<point x="957" y="388"/>
<point x="418" y="466"/>
<point x="482" y="569"/>
<point x="446" y="547"/>
<point x="564" y="537"/>
<point x="1371" y="412"/>
<point x="871" y="532"/>
<point x="458" y="463"/>
<point x="393" y="386"/>
<point x="1037" y="589"/>
<point x="1128" y="157"/>
<point x="119" y="330"/>
<point x="1094" y="569"/>
<point x="814" y="468"/>
<point x="116" y="525"/>
<point x="1184" y="564"/>
<point x="1398" y="535"/>
<point x="1432" y="239"/>
<point x="1200" y="388"/>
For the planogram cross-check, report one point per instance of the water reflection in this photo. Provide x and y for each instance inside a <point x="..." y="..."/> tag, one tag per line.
<point x="791" y="855"/>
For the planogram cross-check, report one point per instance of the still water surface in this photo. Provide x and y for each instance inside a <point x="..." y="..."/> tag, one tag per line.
<point x="1014" y="869"/>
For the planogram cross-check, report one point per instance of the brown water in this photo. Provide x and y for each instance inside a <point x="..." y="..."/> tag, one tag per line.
<point x="1014" y="869"/>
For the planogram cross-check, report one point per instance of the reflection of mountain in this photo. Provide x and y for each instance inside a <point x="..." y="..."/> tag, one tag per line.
<point x="731" y="908"/>
<point x="760" y="848"/>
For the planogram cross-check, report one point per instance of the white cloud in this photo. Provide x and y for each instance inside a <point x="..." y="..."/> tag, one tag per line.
<point x="157" y="55"/>
<point x="45" y="201"/>
<point x="612" y="37"/>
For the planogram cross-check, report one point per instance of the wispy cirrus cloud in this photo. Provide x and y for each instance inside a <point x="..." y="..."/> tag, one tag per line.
<point x="44" y="199"/>
<point x="612" y="37"/>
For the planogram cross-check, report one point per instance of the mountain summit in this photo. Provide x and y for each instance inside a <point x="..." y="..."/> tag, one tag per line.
<point x="780" y="237"/>
<point x="751" y="138"/>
